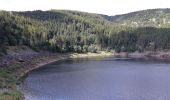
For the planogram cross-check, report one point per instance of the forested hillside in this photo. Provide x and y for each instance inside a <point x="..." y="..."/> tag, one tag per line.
<point x="152" y="17"/>
<point x="73" y="31"/>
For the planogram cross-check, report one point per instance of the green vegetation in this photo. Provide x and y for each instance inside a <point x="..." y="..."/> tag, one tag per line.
<point x="8" y="82"/>
<point x="58" y="31"/>
<point x="7" y="79"/>
<point x="159" y="18"/>
<point x="71" y="31"/>
<point x="16" y="95"/>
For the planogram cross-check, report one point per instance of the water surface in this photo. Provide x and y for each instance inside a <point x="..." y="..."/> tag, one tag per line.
<point x="99" y="79"/>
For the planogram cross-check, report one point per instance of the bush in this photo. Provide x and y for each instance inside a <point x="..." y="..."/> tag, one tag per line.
<point x="117" y="50"/>
<point x="85" y="48"/>
<point x="77" y="49"/>
<point x="92" y="49"/>
<point x="108" y="49"/>
<point x="12" y="40"/>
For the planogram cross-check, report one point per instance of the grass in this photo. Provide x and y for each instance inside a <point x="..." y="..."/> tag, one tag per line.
<point x="16" y="95"/>
<point x="8" y="81"/>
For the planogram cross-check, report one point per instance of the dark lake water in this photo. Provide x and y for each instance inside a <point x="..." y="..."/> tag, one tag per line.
<point x="99" y="79"/>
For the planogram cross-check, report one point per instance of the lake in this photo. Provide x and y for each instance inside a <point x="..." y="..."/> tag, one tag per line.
<point x="99" y="79"/>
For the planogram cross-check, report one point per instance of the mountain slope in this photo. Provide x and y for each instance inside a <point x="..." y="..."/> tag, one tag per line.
<point x="73" y="31"/>
<point x="145" y="18"/>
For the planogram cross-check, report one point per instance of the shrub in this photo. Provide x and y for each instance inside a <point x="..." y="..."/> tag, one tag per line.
<point x="85" y="48"/>
<point x="77" y="49"/>
<point x="92" y="49"/>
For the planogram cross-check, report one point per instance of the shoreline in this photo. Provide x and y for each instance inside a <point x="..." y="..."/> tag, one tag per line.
<point x="38" y="65"/>
<point x="60" y="56"/>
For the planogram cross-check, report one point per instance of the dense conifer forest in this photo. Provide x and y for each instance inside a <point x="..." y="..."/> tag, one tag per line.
<point x="73" y="31"/>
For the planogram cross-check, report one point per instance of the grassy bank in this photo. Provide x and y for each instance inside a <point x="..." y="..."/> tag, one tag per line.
<point x="15" y="95"/>
<point x="8" y="86"/>
<point x="11" y="75"/>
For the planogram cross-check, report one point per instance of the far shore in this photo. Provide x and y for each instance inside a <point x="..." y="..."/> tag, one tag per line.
<point x="145" y="54"/>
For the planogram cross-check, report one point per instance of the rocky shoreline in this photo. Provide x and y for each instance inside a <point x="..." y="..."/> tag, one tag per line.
<point x="33" y="60"/>
<point x="146" y="54"/>
<point x="60" y="56"/>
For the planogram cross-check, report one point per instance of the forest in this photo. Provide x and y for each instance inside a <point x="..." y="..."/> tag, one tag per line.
<point x="73" y="31"/>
